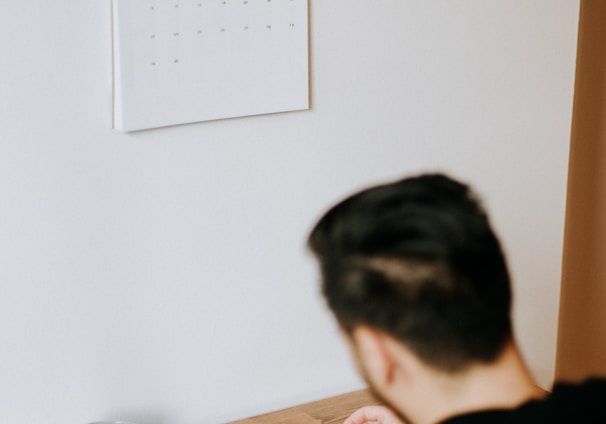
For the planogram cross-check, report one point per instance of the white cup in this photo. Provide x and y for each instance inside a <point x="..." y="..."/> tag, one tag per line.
<point x="111" y="422"/>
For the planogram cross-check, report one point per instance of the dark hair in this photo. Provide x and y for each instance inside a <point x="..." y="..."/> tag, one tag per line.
<point x="418" y="259"/>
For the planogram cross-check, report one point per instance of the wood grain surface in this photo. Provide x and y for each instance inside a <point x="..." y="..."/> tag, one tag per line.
<point x="333" y="410"/>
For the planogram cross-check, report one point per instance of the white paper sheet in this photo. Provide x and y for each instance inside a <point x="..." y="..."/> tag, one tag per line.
<point x="181" y="61"/>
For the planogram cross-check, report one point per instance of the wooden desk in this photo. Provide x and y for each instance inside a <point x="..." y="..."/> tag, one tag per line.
<point x="332" y="410"/>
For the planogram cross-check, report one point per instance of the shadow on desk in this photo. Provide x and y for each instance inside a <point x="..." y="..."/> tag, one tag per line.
<point x="333" y="410"/>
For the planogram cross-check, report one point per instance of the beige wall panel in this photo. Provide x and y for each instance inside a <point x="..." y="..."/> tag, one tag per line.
<point x="582" y="333"/>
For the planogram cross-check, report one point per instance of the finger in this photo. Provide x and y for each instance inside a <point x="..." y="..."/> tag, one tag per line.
<point x="365" y="415"/>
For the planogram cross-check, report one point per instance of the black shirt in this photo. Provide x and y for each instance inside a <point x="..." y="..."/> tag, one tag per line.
<point x="567" y="403"/>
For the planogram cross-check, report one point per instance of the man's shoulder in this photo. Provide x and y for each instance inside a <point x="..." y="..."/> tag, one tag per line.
<point x="590" y="384"/>
<point x="577" y="403"/>
<point x="589" y="394"/>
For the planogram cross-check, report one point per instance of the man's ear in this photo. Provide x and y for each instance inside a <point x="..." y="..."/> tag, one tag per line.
<point x="374" y="355"/>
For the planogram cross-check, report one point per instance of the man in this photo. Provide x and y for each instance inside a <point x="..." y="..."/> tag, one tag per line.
<point x="418" y="283"/>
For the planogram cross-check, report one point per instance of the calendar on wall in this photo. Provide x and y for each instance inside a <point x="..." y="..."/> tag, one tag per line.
<point x="183" y="61"/>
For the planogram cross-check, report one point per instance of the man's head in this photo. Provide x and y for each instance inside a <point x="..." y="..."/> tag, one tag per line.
<point x="417" y="260"/>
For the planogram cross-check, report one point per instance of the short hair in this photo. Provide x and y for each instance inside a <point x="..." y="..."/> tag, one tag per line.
<point x="418" y="259"/>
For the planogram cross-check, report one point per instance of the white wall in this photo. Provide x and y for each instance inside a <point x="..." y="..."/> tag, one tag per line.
<point x="161" y="277"/>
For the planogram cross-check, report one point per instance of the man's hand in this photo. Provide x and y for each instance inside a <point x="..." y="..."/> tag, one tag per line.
<point x="373" y="415"/>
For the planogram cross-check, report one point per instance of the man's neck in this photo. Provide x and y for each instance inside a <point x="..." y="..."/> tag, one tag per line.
<point x="503" y="384"/>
